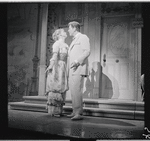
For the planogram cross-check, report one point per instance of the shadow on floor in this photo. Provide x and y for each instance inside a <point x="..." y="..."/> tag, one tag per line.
<point x="37" y="125"/>
<point x="95" y="120"/>
<point x="13" y="133"/>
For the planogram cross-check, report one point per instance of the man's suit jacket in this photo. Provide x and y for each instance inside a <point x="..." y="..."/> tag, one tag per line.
<point x="79" y="50"/>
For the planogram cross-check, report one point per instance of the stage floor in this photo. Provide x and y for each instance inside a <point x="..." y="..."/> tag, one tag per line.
<point x="38" y="125"/>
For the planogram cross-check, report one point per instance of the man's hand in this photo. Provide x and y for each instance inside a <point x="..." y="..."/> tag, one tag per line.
<point x="75" y="65"/>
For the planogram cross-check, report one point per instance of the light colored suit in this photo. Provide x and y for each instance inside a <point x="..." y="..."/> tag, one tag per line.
<point x="79" y="50"/>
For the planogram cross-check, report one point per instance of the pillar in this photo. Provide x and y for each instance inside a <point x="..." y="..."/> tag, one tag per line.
<point x="33" y="90"/>
<point x="42" y="66"/>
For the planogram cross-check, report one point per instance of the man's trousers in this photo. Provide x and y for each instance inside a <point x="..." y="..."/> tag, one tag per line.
<point x="75" y="86"/>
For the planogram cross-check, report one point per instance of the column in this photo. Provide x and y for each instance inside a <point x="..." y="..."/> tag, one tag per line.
<point x="139" y="42"/>
<point x="42" y="66"/>
<point x="33" y="90"/>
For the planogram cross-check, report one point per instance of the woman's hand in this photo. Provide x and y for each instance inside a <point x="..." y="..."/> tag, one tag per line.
<point x="49" y="68"/>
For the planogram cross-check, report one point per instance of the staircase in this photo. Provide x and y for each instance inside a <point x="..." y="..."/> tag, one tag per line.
<point x="115" y="108"/>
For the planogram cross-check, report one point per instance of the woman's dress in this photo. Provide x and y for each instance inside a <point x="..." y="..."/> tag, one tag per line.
<point x="57" y="82"/>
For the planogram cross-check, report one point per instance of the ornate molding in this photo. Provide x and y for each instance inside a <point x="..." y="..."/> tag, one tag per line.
<point x="71" y="12"/>
<point x="107" y="8"/>
<point x="52" y="26"/>
<point x="118" y="38"/>
<point x="35" y="63"/>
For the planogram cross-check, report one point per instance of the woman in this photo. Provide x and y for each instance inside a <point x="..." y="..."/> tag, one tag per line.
<point x="57" y="83"/>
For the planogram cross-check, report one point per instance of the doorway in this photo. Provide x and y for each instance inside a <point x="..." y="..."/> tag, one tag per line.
<point x="117" y="58"/>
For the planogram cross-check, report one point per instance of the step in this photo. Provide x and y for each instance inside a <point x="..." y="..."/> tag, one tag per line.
<point x="121" y="114"/>
<point x="27" y="106"/>
<point x="95" y="103"/>
<point x="35" y="99"/>
<point x="87" y="111"/>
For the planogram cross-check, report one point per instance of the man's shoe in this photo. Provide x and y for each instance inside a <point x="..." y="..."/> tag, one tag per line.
<point x="71" y="115"/>
<point x="77" y="117"/>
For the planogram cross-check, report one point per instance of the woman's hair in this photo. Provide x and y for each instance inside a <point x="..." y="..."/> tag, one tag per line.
<point x="75" y="24"/>
<point x="56" y="34"/>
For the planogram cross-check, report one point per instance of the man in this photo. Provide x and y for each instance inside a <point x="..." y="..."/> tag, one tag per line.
<point x="79" y="51"/>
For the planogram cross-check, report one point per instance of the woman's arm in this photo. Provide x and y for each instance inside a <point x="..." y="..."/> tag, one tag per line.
<point x="54" y="56"/>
